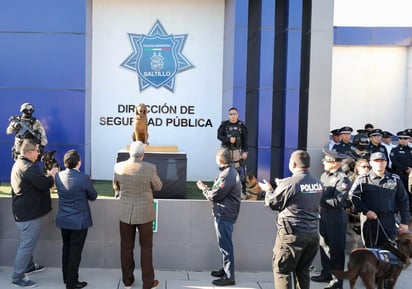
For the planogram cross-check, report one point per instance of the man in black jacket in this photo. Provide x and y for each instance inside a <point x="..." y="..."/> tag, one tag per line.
<point x="225" y="195"/>
<point x="333" y="218"/>
<point x="233" y="134"/>
<point x="297" y="200"/>
<point x="30" y="201"/>
<point x="379" y="196"/>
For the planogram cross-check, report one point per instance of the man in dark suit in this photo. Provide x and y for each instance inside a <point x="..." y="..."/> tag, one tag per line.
<point x="134" y="182"/>
<point x="73" y="217"/>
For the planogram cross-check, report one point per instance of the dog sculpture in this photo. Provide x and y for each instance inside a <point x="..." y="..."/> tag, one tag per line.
<point x="49" y="161"/>
<point x="376" y="267"/>
<point x="253" y="190"/>
<point x="140" y="132"/>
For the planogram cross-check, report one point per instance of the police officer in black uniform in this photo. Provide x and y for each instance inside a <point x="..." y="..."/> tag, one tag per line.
<point x="378" y="195"/>
<point x="333" y="218"/>
<point x="335" y="138"/>
<point x="375" y="138"/>
<point x="345" y="145"/>
<point x="401" y="157"/>
<point x="233" y="134"/>
<point x="26" y="126"/>
<point x="360" y="148"/>
<point x="297" y="200"/>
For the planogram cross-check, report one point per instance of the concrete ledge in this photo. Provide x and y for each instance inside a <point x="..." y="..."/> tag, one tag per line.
<point x="185" y="239"/>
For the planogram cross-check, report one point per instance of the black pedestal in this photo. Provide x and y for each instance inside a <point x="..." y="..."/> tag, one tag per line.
<point x="171" y="168"/>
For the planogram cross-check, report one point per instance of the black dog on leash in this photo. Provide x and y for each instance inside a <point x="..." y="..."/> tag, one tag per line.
<point x="49" y="161"/>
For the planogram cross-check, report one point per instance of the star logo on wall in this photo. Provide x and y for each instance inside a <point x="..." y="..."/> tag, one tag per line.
<point x="157" y="57"/>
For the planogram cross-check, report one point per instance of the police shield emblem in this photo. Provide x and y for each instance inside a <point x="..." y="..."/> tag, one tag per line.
<point x="157" y="61"/>
<point x="157" y="57"/>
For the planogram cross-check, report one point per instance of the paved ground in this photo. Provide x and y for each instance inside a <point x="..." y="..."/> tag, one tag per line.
<point x="110" y="279"/>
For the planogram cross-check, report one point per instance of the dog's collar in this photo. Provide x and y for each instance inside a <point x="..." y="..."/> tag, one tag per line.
<point x="253" y="186"/>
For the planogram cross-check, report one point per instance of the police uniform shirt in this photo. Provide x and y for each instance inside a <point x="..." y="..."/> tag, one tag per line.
<point x="336" y="186"/>
<point x="297" y="200"/>
<point x="384" y="196"/>
<point x="401" y="157"/>
<point x="378" y="148"/>
<point x="343" y="148"/>
<point x="332" y="144"/>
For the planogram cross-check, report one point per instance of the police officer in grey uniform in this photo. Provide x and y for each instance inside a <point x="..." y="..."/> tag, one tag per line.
<point x="378" y="195"/>
<point x="333" y="218"/>
<point x="297" y="200"/>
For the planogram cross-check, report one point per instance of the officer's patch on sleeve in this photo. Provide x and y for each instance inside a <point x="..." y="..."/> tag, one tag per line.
<point x="345" y="186"/>
<point x="220" y="184"/>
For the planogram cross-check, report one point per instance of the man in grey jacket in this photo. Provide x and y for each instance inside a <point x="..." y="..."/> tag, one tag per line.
<point x="225" y="195"/>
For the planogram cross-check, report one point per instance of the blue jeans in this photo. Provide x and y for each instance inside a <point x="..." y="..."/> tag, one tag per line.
<point x="224" y="230"/>
<point x="29" y="232"/>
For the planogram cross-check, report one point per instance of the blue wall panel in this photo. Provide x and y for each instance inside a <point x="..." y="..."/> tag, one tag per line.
<point x="42" y="60"/>
<point x="239" y="56"/>
<point x="292" y="89"/>
<point x="371" y="36"/>
<point x="60" y="111"/>
<point x="265" y="91"/>
<point x="43" y="16"/>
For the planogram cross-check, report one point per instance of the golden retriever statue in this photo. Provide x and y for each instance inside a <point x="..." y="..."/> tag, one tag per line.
<point x="140" y="124"/>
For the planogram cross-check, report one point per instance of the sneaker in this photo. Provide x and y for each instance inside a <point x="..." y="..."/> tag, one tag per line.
<point x="35" y="269"/>
<point x="24" y="282"/>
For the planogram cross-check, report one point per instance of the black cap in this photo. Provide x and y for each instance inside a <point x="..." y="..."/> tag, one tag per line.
<point x="360" y="138"/>
<point x="332" y="156"/>
<point x="374" y="132"/>
<point x="403" y="134"/>
<point x="362" y="131"/>
<point x="378" y="156"/>
<point x="409" y="131"/>
<point x="346" y="129"/>
<point x="386" y="134"/>
<point x="335" y="131"/>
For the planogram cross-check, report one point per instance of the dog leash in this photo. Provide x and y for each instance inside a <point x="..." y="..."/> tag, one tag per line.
<point x="380" y="226"/>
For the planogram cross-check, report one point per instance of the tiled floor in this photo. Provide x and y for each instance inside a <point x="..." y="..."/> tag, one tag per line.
<point x="110" y="279"/>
